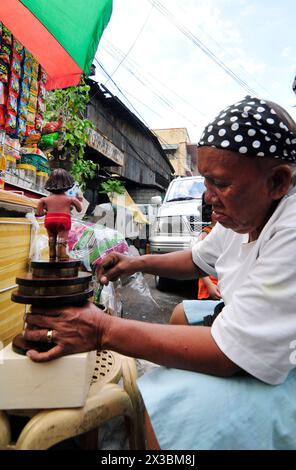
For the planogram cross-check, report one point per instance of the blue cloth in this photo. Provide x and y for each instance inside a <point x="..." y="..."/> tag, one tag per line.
<point x="196" y="310"/>
<point x="193" y="411"/>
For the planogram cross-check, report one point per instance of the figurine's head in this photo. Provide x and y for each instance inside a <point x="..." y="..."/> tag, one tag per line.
<point x="59" y="181"/>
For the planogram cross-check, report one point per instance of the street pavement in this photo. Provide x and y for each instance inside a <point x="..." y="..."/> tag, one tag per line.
<point x="146" y="303"/>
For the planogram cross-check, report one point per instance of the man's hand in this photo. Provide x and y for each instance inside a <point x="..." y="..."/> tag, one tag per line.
<point x="214" y="292"/>
<point x="74" y="330"/>
<point x="116" y="265"/>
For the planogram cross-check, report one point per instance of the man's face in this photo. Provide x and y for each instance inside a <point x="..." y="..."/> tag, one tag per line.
<point x="237" y="188"/>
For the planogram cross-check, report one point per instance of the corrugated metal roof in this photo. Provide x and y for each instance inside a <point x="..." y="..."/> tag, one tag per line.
<point x="121" y="110"/>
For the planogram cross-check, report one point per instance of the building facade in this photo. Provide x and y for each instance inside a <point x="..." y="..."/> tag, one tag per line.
<point x="121" y="144"/>
<point x="178" y="148"/>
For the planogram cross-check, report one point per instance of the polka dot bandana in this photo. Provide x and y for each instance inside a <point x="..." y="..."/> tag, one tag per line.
<point x="251" y="127"/>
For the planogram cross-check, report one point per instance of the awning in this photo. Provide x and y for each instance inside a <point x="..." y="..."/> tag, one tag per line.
<point x="62" y="35"/>
<point x="125" y="200"/>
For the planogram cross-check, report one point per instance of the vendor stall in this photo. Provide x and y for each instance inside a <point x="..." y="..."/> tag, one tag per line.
<point x="22" y="95"/>
<point x="17" y="231"/>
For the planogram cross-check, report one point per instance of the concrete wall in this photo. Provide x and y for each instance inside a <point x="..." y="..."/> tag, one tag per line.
<point x="178" y="158"/>
<point x="143" y="195"/>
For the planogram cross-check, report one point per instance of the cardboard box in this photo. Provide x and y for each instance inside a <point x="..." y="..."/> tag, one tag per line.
<point x="62" y="383"/>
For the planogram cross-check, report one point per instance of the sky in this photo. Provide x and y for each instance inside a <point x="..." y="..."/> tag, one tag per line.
<point x="166" y="59"/>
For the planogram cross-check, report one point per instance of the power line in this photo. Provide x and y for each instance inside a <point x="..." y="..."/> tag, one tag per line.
<point x="142" y="102"/>
<point x="231" y="57"/>
<point x="114" y="51"/>
<point x="132" y="45"/>
<point x="106" y="73"/>
<point x="159" y="97"/>
<point x="170" y="17"/>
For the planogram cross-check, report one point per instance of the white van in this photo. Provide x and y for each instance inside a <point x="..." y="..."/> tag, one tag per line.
<point x="179" y="218"/>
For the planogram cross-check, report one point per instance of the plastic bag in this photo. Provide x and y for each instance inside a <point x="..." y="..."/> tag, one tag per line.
<point x="39" y="242"/>
<point x="108" y="298"/>
<point x="136" y="298"/>
<point x="91" y="243"/>
<point x="48" y="140"/>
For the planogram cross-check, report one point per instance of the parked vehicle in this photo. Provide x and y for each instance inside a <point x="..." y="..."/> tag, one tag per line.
<point x="179" y="218"/>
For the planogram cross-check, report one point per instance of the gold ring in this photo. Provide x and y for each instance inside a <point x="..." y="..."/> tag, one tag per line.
<point x="49" y="336"/>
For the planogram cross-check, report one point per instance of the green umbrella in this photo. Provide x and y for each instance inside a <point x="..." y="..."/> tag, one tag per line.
<point x="63" y="35"/>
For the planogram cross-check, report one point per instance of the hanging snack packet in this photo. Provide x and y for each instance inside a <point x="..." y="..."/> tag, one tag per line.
<point x="5" y="52"/>
<point x="3" y="94"/>
<point x="10" y="124"/>
<point x="4" y="69"/>
<point x="14" y="84"/>
<point x="6" y="35"/>
<point x="17" y="48"/>
<point x="2" y="116"/>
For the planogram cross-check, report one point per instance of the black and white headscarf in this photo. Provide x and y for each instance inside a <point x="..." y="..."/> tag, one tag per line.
<point x="251" y="127"/>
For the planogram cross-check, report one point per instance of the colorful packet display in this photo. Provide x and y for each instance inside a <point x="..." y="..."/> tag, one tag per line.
<point x="12" y="147"/>
<point x="42" y="75"/>
<point x="2" y="116"/>
<point x="40" y="100"/>
<point x="14" y="88"/>
<point x="33" y="95"/>
<point x="4" y="70"/>
<point x="17" y="48"/>
<point x="23" y="109"/>
<point x="14" y="84"/>
<point x="3" y="94"/>
<point x="24" y="93"/>
<point x="16" y="67"/>
<point x="6" y="35"/>
<point x="5" y="51"/>
<point x="21" y="126"/>
<point x="12" y="103"/>
<point x="5" y="46"/>
<point x="10" y="123"/>
<point x="22" y="89"/>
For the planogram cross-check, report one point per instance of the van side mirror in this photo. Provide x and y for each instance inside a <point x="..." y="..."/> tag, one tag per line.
<point x="156" y="200"/>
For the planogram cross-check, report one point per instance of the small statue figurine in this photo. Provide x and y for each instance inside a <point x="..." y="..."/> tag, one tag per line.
<point x="57" y="210"/>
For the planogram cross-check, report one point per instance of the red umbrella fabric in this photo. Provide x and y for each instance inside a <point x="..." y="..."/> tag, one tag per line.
<point x="62" y="35"/>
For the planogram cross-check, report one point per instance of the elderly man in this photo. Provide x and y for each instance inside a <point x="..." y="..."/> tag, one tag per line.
<point x="214" y="378"/>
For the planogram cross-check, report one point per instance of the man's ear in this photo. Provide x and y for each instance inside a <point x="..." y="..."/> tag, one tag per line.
<point x="279" y="181"/>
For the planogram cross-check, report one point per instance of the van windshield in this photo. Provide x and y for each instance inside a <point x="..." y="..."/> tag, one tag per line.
<point x="185" y="190"/>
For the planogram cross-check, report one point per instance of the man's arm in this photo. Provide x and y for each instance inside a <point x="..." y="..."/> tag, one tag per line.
<point x="213" y="289"/>
<point x="86" y="328"/>
<point x="180" y="346"/>
<point x="177" y="265"/>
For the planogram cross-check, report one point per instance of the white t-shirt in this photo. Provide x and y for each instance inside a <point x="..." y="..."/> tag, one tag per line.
<point x="257" y="280"/>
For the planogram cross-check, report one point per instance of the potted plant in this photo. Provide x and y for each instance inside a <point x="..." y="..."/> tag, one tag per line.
<point x="65" y="115"/>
